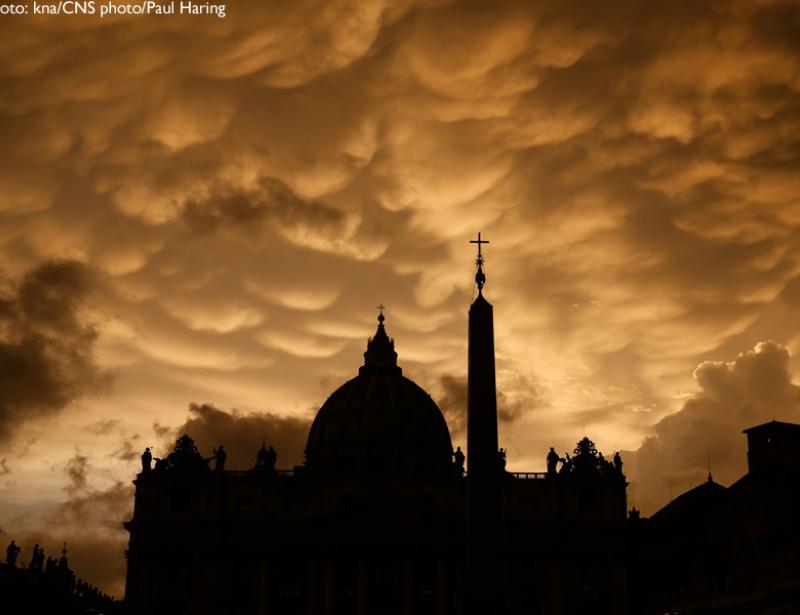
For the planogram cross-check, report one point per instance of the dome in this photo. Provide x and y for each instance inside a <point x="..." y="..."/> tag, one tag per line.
<point x="380" y="422"/>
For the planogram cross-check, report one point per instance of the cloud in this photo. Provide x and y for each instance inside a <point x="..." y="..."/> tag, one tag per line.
<point x="514" y="400"/>
<point x="102" y="427"/>
<point x="128" y="449"/>
<point x="754" y="388"/>
<point x="76" y="470"/>
<point x="272" y="202"/>
<point x="264" y="181"/>
<point x="242" y="434"/>
<point x="89" y="520"/>
<point x="46" y="345"/>
<point x="453" y="403"/>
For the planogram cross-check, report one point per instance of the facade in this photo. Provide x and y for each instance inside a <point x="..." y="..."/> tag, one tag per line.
<point x="382" y="517"/>
<point x="733" y="550"/>
<point x="35" y="585"/>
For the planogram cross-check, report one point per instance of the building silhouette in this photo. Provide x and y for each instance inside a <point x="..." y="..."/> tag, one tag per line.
<point x="382" y="518"/>
<point x="29" y="583"/>
<point x="728" y="550"/>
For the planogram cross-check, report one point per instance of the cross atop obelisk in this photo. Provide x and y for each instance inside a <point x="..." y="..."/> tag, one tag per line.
<point x="480" y="278"/>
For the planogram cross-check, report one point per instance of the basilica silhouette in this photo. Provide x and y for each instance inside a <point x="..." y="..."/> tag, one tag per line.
<point x="385" y="518"/>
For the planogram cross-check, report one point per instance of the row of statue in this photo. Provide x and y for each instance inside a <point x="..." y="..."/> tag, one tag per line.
<point x="57" y="571"/>
<point x="186" y="454"/>
<point x="37" y="563"/>
<point x="587" y="460"/>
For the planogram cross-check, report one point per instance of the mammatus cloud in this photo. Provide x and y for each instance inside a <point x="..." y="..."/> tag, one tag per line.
<point x="754" y="388"/>
<point x="271" y="202"/>
<point x="634" y="165"/>
<point x="46" y="345"/>
<point x="242" y="434"/>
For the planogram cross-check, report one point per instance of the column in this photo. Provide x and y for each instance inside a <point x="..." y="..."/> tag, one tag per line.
<point x="329" y="588"/>
<point x="362" y="601"/>
<point x="410" y="588"/>
<point x="442" y="588"/>
<point x="312" y="589"/>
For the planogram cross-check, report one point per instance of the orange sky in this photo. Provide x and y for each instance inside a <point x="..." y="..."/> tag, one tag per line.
<point x="196" y="210"/>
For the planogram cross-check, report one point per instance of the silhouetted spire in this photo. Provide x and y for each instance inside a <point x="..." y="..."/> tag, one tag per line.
<point x="485" y="462"/>
<point x="482" y="395"/>
<point x="380" y="348"/>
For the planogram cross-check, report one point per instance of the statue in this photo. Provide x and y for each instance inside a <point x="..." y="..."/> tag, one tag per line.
<point x="586" y="461"/>
<point x="147" y="459"/>
<point x="261" y="456"/>
<point x="11" y="554"/>
<point x="458" y="457"/>
<point x="266" y="458"/>
<point x="220" y="456"/>
<point x="552" y="462"/>
<point x="501" y="459"/>
<point x="37" y="559"/>
<point x="603" y="465"/>
<point x="63" y="563"/>
<point x="618" y="462"/>
<point x="566" y="465"/>
<point x="185" y="457"/>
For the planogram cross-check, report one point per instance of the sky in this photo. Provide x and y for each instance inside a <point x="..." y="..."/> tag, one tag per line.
<point x="199" y="216"/>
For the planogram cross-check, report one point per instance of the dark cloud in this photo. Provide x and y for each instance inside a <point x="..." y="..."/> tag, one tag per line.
<point x="102" y="427"/>
<point x="89" y="521"/>
<point x="161" y="430"/>
<point x="46" y="345"/>
<point x="754" y="388"/>
<point x="90" y="509"/>
<point x="519" y="398"/>
<point x="128" y="449"/>
<point x="242" y="434"/>
<point x="273" y="202"/>
<point x="453" y="403"/>
<point x="76" y="470"/>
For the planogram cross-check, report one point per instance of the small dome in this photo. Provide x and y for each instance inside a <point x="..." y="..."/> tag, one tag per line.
<point x="380" y="422"/>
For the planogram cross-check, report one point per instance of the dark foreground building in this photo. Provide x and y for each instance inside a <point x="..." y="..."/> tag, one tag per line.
<point x="733" y="550"/>
<point x="35" y="585"/>
<point x="382" y="518"/>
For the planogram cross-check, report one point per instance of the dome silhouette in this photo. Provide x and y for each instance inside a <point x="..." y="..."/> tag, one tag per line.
<point x="379" y="423"/>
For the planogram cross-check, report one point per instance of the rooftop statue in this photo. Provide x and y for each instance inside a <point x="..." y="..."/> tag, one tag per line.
<point x="185" y="456"/>
<point x="147" y="460"/>
<point x="266" y="458"/>
<point x="219" y="458"/>
<point x="11" y="553"/>
<point x="587" y="462"/>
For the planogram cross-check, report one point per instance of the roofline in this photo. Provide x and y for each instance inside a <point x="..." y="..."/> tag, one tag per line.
<point x="772" y="423"/>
